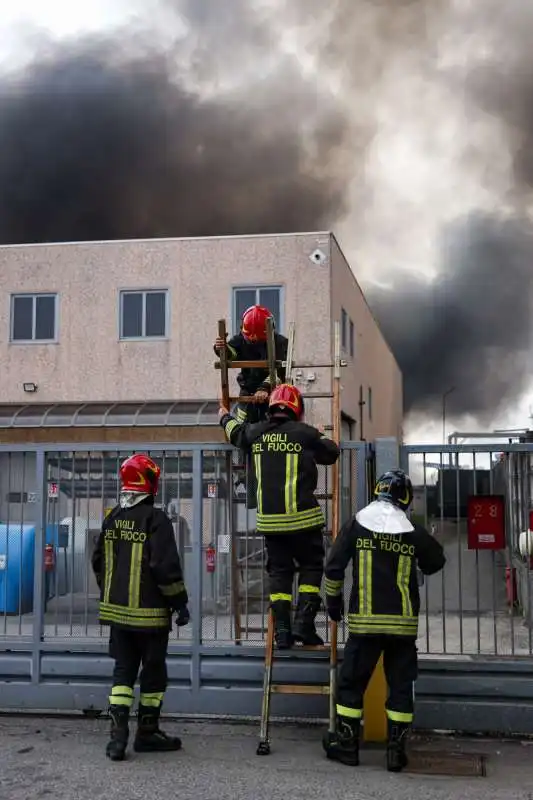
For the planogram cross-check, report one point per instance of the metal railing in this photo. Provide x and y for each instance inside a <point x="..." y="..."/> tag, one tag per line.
<point x="52" y="501"/>
<point x="480" y="604"/>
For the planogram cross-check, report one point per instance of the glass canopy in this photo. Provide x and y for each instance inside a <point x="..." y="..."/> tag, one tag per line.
<point x="150" y="414"/>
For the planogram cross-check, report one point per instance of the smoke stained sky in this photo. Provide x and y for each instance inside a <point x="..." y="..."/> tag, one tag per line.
<point x="405" y="126"/>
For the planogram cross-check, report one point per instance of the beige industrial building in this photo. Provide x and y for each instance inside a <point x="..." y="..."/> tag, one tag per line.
<point x="112" y="341"/>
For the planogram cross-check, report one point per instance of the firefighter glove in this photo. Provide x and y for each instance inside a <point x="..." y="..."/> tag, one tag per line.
<point x="335" y="606"/>
<point x="183" y="617"/>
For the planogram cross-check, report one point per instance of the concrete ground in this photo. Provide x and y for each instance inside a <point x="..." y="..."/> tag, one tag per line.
<point x="63" y="759"/>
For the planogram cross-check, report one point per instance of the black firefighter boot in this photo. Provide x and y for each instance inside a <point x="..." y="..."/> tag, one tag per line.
<point x="116" y="747"/>
<point x="343" y="745"/>
<point x="396" y="755"/>
<point x="149" y="738"/>
<point x="281" y="611"/>
<point x="304" y="630"/>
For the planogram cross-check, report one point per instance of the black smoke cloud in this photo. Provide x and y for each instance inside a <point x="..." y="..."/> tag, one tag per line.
<point x="98" y="142"/>
<point x="469" y="329"/>
<point x="129" y="136"/>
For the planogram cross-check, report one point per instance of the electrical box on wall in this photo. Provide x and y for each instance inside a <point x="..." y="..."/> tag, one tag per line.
<point x="486" y="522"/>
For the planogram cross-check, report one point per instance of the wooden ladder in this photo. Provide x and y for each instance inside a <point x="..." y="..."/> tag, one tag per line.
<point x="330" y="689"/>
<point x="224" y="364"/>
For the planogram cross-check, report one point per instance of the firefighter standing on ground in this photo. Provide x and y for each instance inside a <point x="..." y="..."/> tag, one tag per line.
<point x="139" y="573"/>
<point x="386" y="549"/>
<point x="285" y="453"/>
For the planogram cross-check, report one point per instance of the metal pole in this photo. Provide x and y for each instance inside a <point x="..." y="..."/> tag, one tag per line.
<point x="444" y="396"/>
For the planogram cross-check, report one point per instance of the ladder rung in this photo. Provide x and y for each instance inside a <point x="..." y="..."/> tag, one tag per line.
<point x="248" y="364"/>
<point x="245" y="398"/>
<point x="310" y="396"/>
<point x="296" y="688"/>
<point x="343" y="363"/>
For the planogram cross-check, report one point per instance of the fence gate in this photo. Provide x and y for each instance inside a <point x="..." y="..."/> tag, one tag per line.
<point x="475" y="635"/>
<point x="53" y="652"/>
<point x="476" y="638"/>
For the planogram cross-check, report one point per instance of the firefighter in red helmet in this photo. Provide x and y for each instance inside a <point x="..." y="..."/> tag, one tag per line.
<point x="285" y="452"/>
<point x="250" y="344"/>
<point x="138" y="571"/>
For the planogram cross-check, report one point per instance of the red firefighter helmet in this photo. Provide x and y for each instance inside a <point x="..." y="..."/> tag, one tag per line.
<point x="139" y="474"/>
<point x="253" y="325"/>
<point x="288" y="397"/>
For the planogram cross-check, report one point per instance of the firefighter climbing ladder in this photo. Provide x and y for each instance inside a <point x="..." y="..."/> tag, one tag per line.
<point x="269" y="687"/>
<point x="224" y="364"/>
<point x="375" y="694"/>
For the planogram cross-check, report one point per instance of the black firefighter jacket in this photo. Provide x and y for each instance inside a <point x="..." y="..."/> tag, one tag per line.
<point x="138" y="568"/>
<point x="251" y="379"/>
<point x="285" y="454"/>
<point x="385" y="598"/>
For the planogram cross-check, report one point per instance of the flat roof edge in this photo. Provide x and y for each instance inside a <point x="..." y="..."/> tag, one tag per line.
<point x="166" y="239"/>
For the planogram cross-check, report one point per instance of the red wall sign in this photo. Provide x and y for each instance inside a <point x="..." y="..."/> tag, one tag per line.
<point x="486" y="522"/>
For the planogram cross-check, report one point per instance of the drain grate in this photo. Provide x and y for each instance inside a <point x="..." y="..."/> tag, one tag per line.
<point x="424" y="762"/>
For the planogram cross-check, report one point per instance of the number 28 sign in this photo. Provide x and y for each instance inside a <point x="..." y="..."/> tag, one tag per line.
<point x="486" y="522"/>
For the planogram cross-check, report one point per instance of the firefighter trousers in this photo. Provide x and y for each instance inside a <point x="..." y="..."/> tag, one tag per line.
<point x="131" y="650"/>
<point x="288" y="553"/>
<point x="400" y="662"/>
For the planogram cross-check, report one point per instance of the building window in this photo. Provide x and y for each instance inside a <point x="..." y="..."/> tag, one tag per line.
<point x="34" y="318"/>
<point x="143" y="315"/>
<point x="344" y="329"/>
<point x="246" y="296"/>
<point x="369" y="403"/>
<point x="352" y="338"/>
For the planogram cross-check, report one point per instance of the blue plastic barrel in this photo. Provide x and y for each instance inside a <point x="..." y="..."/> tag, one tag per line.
<point x="17" y="565"/>
<point x="17" y="560"/>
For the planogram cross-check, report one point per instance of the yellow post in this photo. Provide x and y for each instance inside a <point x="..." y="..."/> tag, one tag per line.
<point x="374" y="715"/>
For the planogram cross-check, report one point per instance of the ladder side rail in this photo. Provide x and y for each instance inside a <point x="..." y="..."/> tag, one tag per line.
<point x="224" y="380"/>
<point x="290" y="353"/>
<point x="335" y="516"/>
<point x="271" y="353"/>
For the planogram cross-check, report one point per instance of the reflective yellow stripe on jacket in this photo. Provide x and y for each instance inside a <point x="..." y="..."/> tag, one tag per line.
<point x="134" y="592"/>
<point x="365" y="621"/>
<point x="113" y="614"/>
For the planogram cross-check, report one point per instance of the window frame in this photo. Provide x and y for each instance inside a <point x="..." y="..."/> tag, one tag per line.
<point x="33" y="295"/>
<point x="143" y="337"/>
<point x="235" y="322"/>
<point x="369" y="400"/>
<point x="344" y="330"/>
<point x="351" y="337"/>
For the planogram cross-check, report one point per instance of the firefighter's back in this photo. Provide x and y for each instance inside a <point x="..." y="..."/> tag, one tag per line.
<point x="285" y="463"/>
<point x="130" y="596"/>
<point x="385" y="595"/>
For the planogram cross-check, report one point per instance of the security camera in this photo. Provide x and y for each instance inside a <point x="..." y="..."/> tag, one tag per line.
<point x="317" y="256"/>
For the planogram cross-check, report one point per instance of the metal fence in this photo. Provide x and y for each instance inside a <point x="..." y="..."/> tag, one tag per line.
<point x="474" y="625"/>
<point x="480" y="604"/>
<point x="51" y="508"/>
